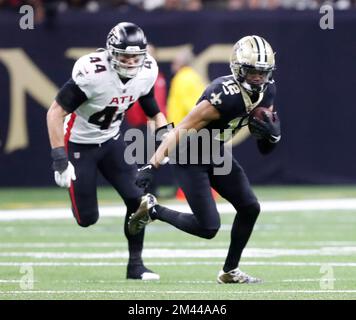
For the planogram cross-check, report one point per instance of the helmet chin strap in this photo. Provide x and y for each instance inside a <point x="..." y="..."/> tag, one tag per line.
<point x="127" y="75"/>
<point x="124" y="72"/>
<point x="249" y="88"/>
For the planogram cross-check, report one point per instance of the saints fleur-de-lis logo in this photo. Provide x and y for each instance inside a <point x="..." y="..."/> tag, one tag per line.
<point x="215" y="98"/>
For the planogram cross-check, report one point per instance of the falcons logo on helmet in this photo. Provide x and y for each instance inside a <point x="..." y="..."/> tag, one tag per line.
<point x="113" y="38"/>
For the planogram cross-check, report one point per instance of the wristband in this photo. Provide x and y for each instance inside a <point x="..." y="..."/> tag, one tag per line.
<point x="60" y="159"/>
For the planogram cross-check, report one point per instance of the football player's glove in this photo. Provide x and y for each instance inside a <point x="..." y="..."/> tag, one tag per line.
<point x="64" y="179"/>
<point x="145" y="176"/>
<point x="64" y="171"/>
<point x="268" y="128"/>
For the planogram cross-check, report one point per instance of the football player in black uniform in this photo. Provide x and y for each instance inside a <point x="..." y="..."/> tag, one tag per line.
<point x="225" y="104"/>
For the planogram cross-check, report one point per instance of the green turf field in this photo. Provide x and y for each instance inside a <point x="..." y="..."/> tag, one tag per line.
<point x="302" y="254"/>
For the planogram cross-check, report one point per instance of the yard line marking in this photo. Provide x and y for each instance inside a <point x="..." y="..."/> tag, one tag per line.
<point x="157" y="244"/>
<point x="187" y="253"/>
<point x="172" y="291"/>
<point x="224" y="208"/>
<point x="64" y="245"/>
<point x="167" y="281"/>
<point x="195" y="281"/>
<point x="180" y="263"/>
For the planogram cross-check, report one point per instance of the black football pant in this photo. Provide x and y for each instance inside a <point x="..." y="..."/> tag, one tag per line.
<point x="108" y="158"/>
<point x="196" y="182"/>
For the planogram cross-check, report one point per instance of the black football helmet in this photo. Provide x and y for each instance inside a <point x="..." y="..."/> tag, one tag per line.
<point x="126" y="40"/>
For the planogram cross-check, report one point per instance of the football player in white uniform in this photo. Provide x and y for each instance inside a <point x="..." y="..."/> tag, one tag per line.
<point x="103" y="85"/>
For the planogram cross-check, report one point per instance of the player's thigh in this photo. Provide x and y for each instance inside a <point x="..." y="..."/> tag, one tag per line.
<point x="234" y="186"/>
<point x="194" y="181"/>
<point x="118" y="172"/>
<point x="83" y="192"/>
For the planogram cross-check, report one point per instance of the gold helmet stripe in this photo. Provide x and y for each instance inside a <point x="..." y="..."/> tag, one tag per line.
<point x="258" y="49"/>
<point x="254" y="50"/>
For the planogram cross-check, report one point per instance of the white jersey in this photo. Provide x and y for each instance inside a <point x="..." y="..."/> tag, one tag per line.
<point x="98" y="119"/>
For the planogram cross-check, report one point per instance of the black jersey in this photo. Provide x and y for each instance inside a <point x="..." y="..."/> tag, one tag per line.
<point x="234" y="104"/>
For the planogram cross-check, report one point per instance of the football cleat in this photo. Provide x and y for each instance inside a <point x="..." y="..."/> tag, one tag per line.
<point x="141" y="217"/>
<point x="236" y="276"/>
<point x="140" y="272"/>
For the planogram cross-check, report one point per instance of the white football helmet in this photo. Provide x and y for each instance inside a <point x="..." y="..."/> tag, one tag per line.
<point x="252" y="62"/>
<point x="127" y="47"/>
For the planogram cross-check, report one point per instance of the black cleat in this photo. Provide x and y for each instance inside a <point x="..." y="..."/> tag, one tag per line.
<point x="140" y="272"/>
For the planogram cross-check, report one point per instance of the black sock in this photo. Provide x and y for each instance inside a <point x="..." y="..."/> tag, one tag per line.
<point x="135" y="242"/>
<point x="241" y="230"/>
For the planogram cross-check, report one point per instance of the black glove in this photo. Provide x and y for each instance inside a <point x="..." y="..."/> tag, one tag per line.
<point x="269" y="128"/>
<point x="145" y="176"/>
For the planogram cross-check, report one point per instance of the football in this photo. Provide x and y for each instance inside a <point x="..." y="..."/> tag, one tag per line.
<point x="258" y="113"/>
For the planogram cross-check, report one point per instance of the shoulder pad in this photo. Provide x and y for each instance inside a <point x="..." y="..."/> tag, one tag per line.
<point x="150" y="68"/>
<point x="87" y="68"/>
<point x="148" y="73"/>
<point x="222" y="90"/>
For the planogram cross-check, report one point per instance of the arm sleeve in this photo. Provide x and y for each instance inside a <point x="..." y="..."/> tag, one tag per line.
<point x="149" y="105"/>
<point x="70" y="96"/>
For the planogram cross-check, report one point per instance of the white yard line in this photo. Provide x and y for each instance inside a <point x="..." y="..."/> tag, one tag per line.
<point x="169" y="244"/>
<point x="175" y="263"/>
<point x="186" y="253"/>
<point x="174" y="282"/>
<point x="224" y="208"/>
<point x="235" y="292"/>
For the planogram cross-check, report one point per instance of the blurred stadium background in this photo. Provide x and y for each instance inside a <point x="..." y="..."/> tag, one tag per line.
<point x="307" y="186"/>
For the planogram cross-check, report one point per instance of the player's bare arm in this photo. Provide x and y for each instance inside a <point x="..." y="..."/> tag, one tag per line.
<point x="64" y="170"/>
<point x="55" y="119"/>
<point x="198" y="118"/>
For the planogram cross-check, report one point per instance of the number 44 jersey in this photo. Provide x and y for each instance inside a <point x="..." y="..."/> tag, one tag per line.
<point x="99" y="117"/>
